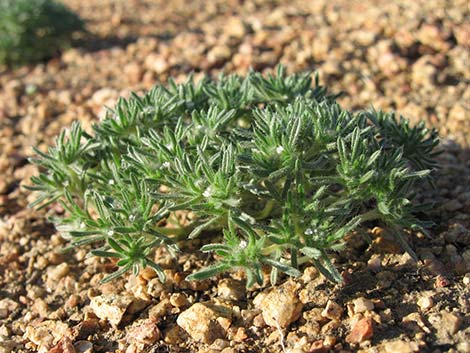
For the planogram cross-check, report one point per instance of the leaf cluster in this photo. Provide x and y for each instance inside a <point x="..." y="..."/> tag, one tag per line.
<point x="34" y="30"/>
<point x="272" y="163"/>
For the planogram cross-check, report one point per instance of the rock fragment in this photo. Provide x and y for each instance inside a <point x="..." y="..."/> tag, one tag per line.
<point x="57" y="272"/>
<point x="63" y="346"/>
<point x="113" y="307"/>
<point x="362" y="330"/>
<point x="146" y="332"/>
<point x="425" y="302"/>
<point x="446" y="324"/>
<point x="280" y="307"/>
<point x="205" y="322"/>
<point x="46" y="334"/>
<point x="83" y="347"/>
<point x="362" y="305"/>
<point x="332" y="311"/>
<point x="400" y="347"/>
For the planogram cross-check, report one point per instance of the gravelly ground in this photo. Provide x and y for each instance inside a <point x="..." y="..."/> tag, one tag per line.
<point x="413" y="57"/>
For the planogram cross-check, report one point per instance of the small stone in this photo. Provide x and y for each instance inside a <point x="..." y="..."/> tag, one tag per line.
<point x="146" y="332"/>
<point x="462" y="34"/>
<point x="174" y="335"/>
<point x="240" y="335"/>
<point x="202" y="321"/>
<point x="234" y="27"/>
<point x="133" y="72"/>
<point x="295" y="350"/>
<point x="63" y="346"/>
<point x="433" y="36"/>
<point x="401" y="347"/>
<point x="332" y="311"/>
<point x="466" y="279"/>
<point x="112" y="307"/>
<point x="157" y="63"/>
<point x="280" y="307"/>
<point x="47" y="333"/>
<point x="83" y="347"/>
<point x="258" y="321"/>
<point x="7" y="306"/>
<point x="58" y="272"/>
<point x="161" y="309"/>
<point x="362" y="305"/>
<point x="374" y="263"/>
<point x="451" y="322"/>
<point x="441" y="282"/>
<point x="41" y="308"/>
<point x="220" y="344"/>
<point x="318" y="347"/>
<point x="425" y="302"/>
<point x="446" y="324"/>
<point x="423" y="72"/>
<point x="179" y="300"/>
<point x="463" y="347"/>
<point x="219" y="54"/>
<point x="416" y="319"/>
<point x="85" y="328"/>
<point x="362" y="330"/>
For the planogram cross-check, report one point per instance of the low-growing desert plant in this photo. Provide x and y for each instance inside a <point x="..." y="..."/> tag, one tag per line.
<point x="270" y="163"/>
<point x="33" y="30"/>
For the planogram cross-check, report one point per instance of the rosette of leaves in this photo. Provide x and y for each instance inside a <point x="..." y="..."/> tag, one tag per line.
<point x="270" y="163"/>
<point x="34" y="30"/>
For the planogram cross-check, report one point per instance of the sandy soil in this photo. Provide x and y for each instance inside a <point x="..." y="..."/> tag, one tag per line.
<point x="412" y="57"/>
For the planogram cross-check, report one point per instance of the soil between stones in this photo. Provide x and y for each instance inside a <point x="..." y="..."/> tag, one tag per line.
<point x="412" y="57"/>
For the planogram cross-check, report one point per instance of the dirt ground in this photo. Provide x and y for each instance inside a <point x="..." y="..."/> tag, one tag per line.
<point x="409" y="56"/>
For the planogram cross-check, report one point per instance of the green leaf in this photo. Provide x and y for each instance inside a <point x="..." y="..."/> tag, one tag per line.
<point x="291" y="271"/>
<point x="208" y="272"/>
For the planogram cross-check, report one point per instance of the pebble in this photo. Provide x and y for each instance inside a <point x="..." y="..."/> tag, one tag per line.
<point x="157" y="63"/>
<point x="332" y="311"/>
<point x="235" y="27"/>
<point x="361" y="330"/>
<point x="362" y="305"/>
<point x="425" y="302"/>
<point x="446" y="324"/>
<point x="418" y="65"/>
<point x="83" y="347"/>
<point x="400" y="347"/>
<point x="57" y="272"/>
<point x="280" y="307"/>
<point x="205" y="322"/>
<point x="179" y="300"/>
<point x="112" y="307"/>
<point x="144" y="332"/>
<point x="63" y="346"/>
<point x="219" y="54"/>
<point x="318" y="347"/>
<point x="45" y="334"/>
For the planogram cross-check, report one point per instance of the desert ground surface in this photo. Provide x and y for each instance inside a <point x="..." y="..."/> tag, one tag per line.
<point x="409" y="56"/>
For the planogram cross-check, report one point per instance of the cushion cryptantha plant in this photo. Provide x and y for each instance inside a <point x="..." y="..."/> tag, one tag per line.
<point x="270" y="163"/>
<point x="33" y="30"/>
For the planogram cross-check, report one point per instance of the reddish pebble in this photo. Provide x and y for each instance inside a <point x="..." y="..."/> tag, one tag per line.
<point x="361" y="331"/>
<point x="63" y="346"/>
<point x="441" y="282"/>
<point x="318" y="347"/>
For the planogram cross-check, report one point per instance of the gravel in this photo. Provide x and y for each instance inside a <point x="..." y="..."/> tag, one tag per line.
<point x="412" y="57"/>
